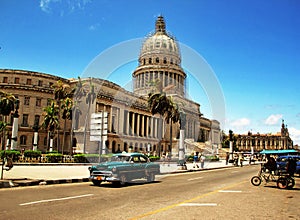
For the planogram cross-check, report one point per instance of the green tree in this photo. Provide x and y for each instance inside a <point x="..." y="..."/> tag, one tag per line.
<point x="51" y="122"/>
<point x="67" y="107"/>
<point x="7" y="105"/>
<point x="61" y="92"/>
<point x="160" y="103"/>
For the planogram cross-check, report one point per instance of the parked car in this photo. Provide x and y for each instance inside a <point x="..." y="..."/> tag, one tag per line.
<point x="122" y="168"/>
<point x="282" y="160"/>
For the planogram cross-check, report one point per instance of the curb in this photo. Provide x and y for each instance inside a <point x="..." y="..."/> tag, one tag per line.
<point x="34" y="182"/>
<point x="9" y="183"/>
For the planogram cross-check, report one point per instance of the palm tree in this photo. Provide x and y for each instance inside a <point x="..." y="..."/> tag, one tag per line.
<point x="67" y="107"/>
<point x="160" y="103"/>
<point x="7" y="105"/>
<point x="61" y="91"/>
<point x="51" y="122"/>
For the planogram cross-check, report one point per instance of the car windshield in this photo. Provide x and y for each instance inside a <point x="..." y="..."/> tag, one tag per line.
<point x="120" y="158"/>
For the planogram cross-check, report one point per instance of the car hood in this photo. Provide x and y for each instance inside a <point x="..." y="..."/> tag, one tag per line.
<point x="107" y="165"/>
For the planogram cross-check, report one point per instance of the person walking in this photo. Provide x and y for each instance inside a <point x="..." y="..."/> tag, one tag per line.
<point x="227" y="158"/>
<point x="202" y="159"/>
<point x="195" y="160"/>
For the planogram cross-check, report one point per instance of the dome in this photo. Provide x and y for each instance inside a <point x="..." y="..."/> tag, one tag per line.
<point x="161" y="43"/>
<point x="159" y="64"/>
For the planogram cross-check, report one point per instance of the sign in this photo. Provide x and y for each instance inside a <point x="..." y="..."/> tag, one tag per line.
<point x="98" y="126"/>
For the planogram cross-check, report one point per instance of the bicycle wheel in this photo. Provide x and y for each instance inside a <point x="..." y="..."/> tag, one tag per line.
<point x="256" y="181"/>
<point x="282" y="183"/>
<point x="290" y="183"/>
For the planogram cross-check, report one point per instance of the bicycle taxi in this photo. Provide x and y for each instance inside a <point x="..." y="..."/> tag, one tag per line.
<point x="283" y="179"/>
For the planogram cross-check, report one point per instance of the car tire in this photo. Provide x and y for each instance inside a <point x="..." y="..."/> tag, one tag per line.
<point x="151" y="177"/>
<point x="96" y="182"/>
<point x="291" y="183"/>
<point x="123" y="180"/>
<point x="282" y="183"/>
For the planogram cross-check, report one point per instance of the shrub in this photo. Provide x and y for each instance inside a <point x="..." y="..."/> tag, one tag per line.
<point x="32" y="153"/>
<point x="14" y="154"/>
<point x="54" y="157"/>
<point x="154" y="158"/>
<point x="90" y="158"/>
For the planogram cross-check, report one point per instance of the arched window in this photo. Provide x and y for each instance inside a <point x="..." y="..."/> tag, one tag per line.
<point x="150" y="60"/>
<point x="165" y="60"/>
<point x="157" y="60"/>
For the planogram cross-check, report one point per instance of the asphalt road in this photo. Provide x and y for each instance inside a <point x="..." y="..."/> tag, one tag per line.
<point x="214" y="194"/>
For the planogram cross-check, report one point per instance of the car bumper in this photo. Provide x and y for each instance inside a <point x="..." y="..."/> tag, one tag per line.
<point x="104" y="178"/>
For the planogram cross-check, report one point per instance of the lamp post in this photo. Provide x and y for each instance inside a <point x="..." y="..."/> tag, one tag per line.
<point x="14" y="133"/>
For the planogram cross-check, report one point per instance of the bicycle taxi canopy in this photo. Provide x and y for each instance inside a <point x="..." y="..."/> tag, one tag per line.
<point x="288" y="151"/>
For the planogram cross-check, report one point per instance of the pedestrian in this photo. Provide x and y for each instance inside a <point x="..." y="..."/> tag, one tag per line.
<point x="195" y="160"/>
<point x="227" y="158"/>
<point x="241" y="159"/>
<point x="202" y="159"/>
<point x="168" y="156"/>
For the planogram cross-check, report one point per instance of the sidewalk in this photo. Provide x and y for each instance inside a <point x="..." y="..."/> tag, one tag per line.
<point x="34" y="174"/>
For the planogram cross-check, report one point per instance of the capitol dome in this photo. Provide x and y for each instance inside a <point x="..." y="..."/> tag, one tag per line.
<point x="161" y="43"/>
<point x="159" y="60"/>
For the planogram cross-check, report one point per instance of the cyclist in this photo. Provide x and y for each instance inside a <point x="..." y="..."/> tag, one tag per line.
<point x="270" y="164"/>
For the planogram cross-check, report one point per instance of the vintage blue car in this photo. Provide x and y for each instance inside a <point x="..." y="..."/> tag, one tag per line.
<point x="123" y="168"/>
<point x="282" y="160"/>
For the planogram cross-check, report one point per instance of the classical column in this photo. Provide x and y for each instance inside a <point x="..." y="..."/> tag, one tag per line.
<point x="147" y="126"/>
<point x="142" y="125"/>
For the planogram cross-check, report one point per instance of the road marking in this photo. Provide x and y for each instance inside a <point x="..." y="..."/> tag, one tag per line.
<point x="186" y="201"/>
<point x="195" y="178"/>
<point x="198" y="204"/>
<point x="230" y="191"/>
<point x="52" y="200"/>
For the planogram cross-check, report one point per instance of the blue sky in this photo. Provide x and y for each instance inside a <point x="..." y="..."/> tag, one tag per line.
<point x="251" y="46"/>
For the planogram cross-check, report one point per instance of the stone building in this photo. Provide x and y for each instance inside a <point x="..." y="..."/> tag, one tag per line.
<point x="130" y="125"/>
<point x="34" y="91"/>
<point x="259" y="142"/>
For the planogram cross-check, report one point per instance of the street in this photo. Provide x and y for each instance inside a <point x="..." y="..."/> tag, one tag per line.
<point x="213" y="194"/>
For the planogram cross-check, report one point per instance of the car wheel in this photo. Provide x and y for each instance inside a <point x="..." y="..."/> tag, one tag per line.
<point x="123" y="180"/>
<point x="256" y="180"/>
<point x="151" y="177"/>
<point x="96" y="182"/>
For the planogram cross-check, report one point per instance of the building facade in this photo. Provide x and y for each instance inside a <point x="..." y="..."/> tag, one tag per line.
<point x="258" y="142"/>
<point x="129" y="123"/>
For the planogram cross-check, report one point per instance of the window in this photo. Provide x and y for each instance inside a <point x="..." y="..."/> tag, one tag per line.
<point x="165" y="60"/>
<point x="36" y="120"/>
<point x="17" y="80"/>
<point x="157" y="60"/>
<point x="28" y="82"/>
<point x="113" y="130"/>
<point x="5" y="80"/>
<point x="25" y="120"/>
<point x="40" y="83"/>
<point x="26" y="100"/>
<point x="38" y="102"/>
<point x="23" y="140"/>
